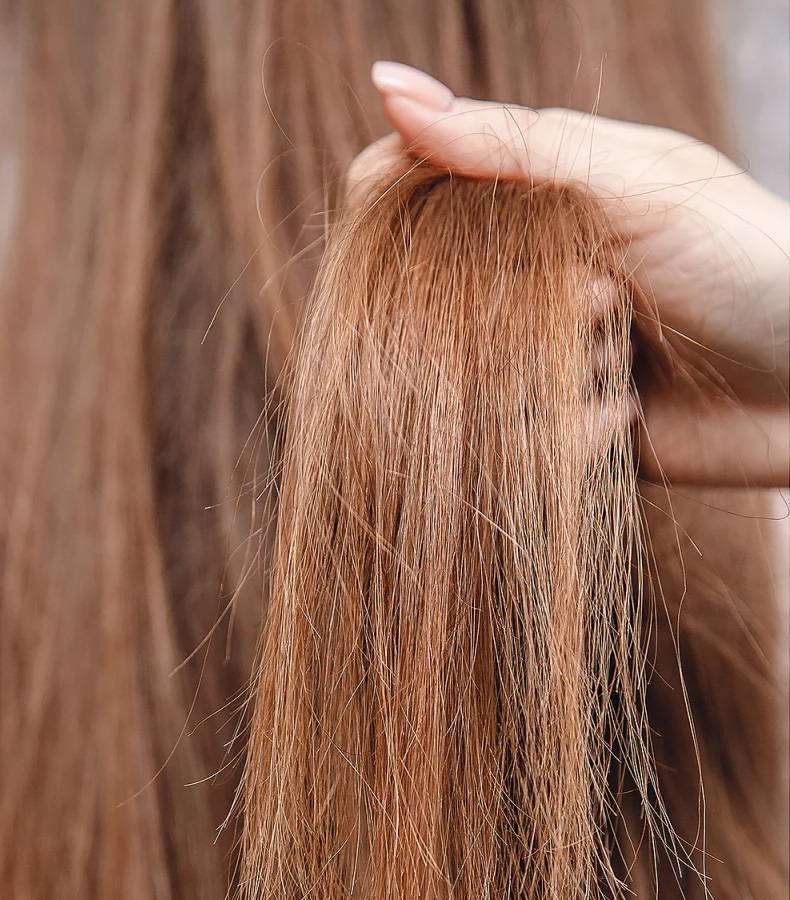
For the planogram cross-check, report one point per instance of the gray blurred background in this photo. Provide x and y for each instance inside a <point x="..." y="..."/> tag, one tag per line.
<point x="754" y="45"/>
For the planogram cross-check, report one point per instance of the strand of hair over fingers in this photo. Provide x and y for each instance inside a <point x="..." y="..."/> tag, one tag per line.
<point x="450" y="699"/>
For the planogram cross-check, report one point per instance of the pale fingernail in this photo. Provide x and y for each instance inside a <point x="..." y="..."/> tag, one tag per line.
<point x="398" y="79"/>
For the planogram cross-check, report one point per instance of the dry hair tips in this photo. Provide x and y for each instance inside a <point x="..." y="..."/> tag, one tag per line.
<point x="421" y="630"/>
<point x="451" y="693"/>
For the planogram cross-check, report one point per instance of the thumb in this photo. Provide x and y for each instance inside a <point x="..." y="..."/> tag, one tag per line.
<point x="470" y="137"/>
<point x="483" y="139"/>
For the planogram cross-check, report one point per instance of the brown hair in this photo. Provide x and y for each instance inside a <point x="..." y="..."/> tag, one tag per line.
<point x="452" y="697"/>
<point x="452" y="647"/>
<point x="130" y="484"/>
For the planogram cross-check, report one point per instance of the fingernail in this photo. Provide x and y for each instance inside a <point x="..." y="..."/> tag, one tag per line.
<point x="398" y="79"/>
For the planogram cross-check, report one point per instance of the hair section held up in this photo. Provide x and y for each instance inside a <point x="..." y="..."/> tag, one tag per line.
<point x="450" y="699"/>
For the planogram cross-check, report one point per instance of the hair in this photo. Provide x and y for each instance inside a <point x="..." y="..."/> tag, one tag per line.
<point x="491" y="663"/>
<point x="452" y="639"/>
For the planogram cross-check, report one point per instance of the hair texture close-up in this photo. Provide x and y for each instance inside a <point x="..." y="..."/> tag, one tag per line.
<point x="452" y="696"/>
<point x="325" y="566"/>
<point x="453" y="658"/>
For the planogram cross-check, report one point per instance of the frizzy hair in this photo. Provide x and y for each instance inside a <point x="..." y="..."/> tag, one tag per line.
<point x="178" y="164"/>
<point x="452" y="696"/>
<point x="452" y="651"/>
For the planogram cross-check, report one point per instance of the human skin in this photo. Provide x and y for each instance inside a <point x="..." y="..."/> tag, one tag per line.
<point x="704" y="242"/>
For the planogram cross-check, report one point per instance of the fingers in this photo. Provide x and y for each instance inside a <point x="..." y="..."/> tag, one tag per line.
<point x="685" y="214"/>
<point x="631" y="168"/>
<point x="484" y="139"/>
<point x="721" y="444"/>
<point x="467" y="136"/>
<point x="395" y="79"/>
<point x="473" y="138"/>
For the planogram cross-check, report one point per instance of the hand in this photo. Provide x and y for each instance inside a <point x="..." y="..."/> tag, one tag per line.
<point x="705" y="242"/>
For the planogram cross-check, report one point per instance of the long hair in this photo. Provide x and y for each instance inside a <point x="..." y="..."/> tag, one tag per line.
<point x="452" y="642"/>
<point x="162" y="482"/>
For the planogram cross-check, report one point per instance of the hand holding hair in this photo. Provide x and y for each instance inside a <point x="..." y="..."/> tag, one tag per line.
<point x="706" y="245"/>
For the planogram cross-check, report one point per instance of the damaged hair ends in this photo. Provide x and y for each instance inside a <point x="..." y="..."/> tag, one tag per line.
<point x="450" y="700"/>
<point x="144" y="316"/>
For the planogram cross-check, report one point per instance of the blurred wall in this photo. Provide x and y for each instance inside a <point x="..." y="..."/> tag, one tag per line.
<point x="754" y="43"/>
